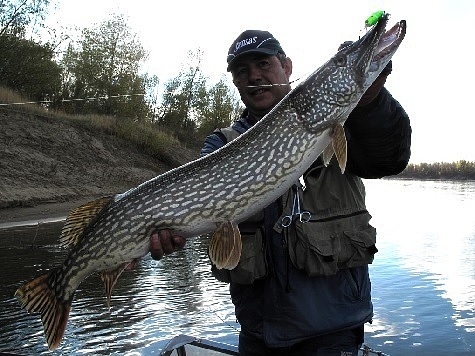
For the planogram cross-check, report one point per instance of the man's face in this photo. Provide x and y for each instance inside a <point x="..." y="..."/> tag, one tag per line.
<point x="258" y="69"/>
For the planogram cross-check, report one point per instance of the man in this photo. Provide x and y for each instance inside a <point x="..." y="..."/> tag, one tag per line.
<point x="292" y="293"/>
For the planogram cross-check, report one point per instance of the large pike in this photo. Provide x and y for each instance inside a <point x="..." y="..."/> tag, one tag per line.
<point x="215" y="192"/>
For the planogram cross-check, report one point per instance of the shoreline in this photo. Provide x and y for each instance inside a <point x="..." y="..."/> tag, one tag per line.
<point x="35" y="226"/>
<point x="40" y="213"/>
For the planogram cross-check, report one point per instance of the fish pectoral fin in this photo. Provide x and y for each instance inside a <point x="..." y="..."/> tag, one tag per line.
<point x="79" y="219"/>
<point x="38" y="296"/>
<point x="226" y="246"/>
<point x="327" y="154"/>
<point x="110" y="278"/>
<point x="340" y="146"/>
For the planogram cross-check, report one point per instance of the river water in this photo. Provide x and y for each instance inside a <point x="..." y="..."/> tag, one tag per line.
<point x="423" y="285"/>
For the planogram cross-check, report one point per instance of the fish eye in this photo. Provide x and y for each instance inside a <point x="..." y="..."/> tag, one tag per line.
<point x="340" y="61"/>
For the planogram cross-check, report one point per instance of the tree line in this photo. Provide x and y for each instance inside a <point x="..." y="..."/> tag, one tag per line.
<point x="100" y="72"/>
<point x="460" y="170"/>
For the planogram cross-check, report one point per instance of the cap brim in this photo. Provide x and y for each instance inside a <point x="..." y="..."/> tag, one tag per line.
<point x="232" y="58"/>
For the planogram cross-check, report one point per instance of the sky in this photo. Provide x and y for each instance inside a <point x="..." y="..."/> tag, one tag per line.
<point x="433" y="70"/>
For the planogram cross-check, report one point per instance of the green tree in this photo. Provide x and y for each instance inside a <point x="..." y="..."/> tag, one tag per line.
<point x="28" y="68"/>
<point x="16" y="16"/>
<point x="105" y="65"/>
<point x="440" y="170"/>
<point x="189" y="109"/>
<point x="220" y="107"/>
<point x="25" y="65"/>
<point x="182" y="94"/>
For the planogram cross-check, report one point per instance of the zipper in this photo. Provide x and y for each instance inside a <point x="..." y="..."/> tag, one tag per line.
<point x="336" y="217"/>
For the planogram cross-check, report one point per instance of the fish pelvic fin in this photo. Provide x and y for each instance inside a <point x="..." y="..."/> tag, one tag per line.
<point x="79" y="219"/>
<point x="38" y="296"/>
<point x="110" y="278"/>
<point x="340" y="146"/>
<point x="226" y="246"/>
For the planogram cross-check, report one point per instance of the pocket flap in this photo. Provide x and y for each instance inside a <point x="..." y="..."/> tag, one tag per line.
<point x="364" y="238"/>
<point x="324" y="247"/>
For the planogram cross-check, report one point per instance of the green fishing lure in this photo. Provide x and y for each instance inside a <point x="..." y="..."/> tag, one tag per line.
<point x="374" y="18"/>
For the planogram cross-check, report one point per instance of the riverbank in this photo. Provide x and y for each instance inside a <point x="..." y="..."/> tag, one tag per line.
<point x="49" y="166"/>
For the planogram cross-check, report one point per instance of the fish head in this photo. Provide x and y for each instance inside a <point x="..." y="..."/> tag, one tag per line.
<point x="330" y="93"/>
<point x="359" y="63"/>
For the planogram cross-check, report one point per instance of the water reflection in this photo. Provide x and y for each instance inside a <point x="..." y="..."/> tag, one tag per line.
<point x="424" y="275"/>
<point x="149" y="305"/>
<point x="423" y="285"/>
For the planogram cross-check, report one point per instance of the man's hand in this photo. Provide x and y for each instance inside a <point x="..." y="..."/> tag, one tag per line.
<point x="164" y="242"/>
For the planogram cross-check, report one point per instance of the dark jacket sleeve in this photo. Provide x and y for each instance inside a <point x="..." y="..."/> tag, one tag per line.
<point x="218" y="139"/>
<point x="379" y="138"/>
<point x="213" y="142"/>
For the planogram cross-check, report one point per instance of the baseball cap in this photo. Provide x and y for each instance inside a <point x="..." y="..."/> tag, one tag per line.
<point x="253" y="41"/>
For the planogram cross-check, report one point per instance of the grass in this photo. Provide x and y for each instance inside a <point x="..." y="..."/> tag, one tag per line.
<point x="146" y="135"/>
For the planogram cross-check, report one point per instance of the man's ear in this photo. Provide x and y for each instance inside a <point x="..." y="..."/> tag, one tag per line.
<point x="288" y="67"/>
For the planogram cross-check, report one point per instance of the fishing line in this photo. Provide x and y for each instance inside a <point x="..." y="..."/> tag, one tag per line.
<point x="266" y="85"/>
<point x="106" y="97"/>
<point x="69" y="100"/>
<point x="271" y="85"/>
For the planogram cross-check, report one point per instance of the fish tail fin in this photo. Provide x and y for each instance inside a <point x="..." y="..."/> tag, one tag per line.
<point x="38" y="296"/>
<point x="226" y="246"/>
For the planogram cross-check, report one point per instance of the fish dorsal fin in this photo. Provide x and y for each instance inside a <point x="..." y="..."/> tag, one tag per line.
<point x="109" y="278"/>
<point x="339" y="146"/>
<point x="225" y="246"/>
<point x="79" y="219"/>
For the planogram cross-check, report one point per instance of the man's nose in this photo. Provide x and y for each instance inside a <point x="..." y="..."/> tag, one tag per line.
<point x="254" y="73"/>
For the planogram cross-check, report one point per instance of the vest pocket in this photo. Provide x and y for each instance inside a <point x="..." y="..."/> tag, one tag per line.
<point x="310" y="251"/>
<point x="357" y="247"/>
<point x="325" y="247"/>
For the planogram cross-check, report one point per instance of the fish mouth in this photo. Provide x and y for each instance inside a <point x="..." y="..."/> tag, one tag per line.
<point x="370" y="54"/>
<point x="387" y="45"/>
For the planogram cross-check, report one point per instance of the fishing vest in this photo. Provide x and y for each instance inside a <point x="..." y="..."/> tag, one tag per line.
<point x="334" y="233"/>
